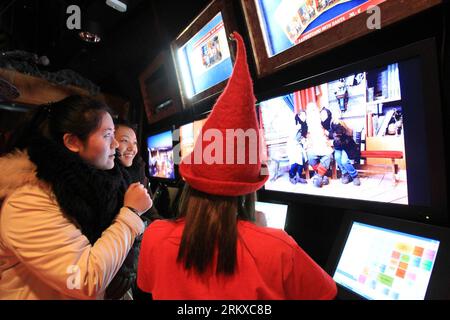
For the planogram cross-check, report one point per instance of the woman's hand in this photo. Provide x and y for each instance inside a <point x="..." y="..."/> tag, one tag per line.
<point x="138" y="198"/>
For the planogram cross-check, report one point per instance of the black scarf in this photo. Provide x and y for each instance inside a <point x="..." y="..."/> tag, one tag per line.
<point x="90" y="196"/>
<point x="136" y="170"/>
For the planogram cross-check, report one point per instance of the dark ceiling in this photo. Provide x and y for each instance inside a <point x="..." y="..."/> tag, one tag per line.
<point x="130" y="40"/>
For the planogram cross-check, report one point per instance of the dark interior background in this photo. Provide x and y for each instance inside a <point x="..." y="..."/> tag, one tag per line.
<point x="131" y="40"/>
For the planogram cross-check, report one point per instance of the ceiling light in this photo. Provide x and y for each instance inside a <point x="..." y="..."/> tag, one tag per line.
<point x="119" y="5"/>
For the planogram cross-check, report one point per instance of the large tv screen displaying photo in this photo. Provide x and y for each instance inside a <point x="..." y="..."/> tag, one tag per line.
<point x="343" y="138"/>
<point x="285" y="32"/>
<point x="286" y="23"/>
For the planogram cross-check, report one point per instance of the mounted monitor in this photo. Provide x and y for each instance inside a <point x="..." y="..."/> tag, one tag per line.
<point x="284" y="32"/>
<point x="365" y="135"/>
<point x="381" y="258"/>
<point x="158" y="85"/>
<point x="160" y="156"/>
<point x="203" y="55"/>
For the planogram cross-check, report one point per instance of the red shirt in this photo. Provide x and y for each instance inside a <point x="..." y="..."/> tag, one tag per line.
<point x="270" y="265"/>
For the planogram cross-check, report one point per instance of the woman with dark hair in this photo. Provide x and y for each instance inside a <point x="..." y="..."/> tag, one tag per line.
<point x="319" y="146"/>
<point x="213" y="250"/>
<point x="296" y="149"/>
<point x="133" y="168"/>
<point x="68" y="220"/>
<point x="129" y="159"/>
<point x="345" y="149"/>
<point x="325" y="119"/>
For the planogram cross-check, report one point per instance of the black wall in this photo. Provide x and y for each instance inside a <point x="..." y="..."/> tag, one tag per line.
<point x="313" y="225"/>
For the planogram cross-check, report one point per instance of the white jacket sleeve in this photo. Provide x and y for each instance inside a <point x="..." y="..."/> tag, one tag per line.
<point x="33" y="227"/>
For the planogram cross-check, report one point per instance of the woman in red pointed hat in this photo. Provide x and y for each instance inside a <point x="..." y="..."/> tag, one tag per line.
<point x="213" y="250"/>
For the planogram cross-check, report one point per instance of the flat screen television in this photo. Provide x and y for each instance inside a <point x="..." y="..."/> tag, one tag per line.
<point x="385" y="129"/>
<point x="161" y="163"/>
<point x="283" y="32"/>
<point x="383" y="258"/>
<point x="270" y="214"/>
<point x="202" y="54"/>
<point x="158" y="86"/>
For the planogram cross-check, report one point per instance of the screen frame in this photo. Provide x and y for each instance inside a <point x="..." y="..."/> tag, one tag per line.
<point x="168" y="101"/>
<point x="216" y="6"/>
<point x="437" y="288"/>
<point x="356" y="27"/>
<point x="436" y="212"/>
<point x="166" y="181"/>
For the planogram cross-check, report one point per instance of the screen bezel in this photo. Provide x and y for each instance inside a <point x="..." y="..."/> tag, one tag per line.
<point x="425" y="51"/>
<point x="390" y="12"/>
<point x="167" y="181"/>
<point x="166" y="103"/>
<point x="216" y="6"/>
<point x="437" y="288"/>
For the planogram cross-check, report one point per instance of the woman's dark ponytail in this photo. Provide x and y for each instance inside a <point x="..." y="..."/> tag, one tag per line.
<point x="79" y="115"/>
<point x="34" y="124"/>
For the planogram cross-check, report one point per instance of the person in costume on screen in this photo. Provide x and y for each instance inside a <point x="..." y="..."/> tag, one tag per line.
<point x="296" y="150"/>
<point x="319" y="148"/>
<point x="326" y="118"/>
<point x="67" y="221"/>
<point x="345" y="149"/>
<point x="213" y="249"/>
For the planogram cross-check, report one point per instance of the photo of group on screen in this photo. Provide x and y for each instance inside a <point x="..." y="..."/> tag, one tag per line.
<point x="324" y="138"/>
<point x="307" y="12"/>
<point x="295" y="16"/>
<point x="211" y="52"/>
<point x="323" y="5"/>
<point x="316" y="140"/>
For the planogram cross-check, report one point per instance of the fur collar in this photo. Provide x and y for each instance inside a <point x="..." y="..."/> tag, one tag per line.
<point x="17" y="171"/>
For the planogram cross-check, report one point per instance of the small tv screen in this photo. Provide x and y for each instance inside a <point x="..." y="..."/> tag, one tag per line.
<point x="188" y="135"/>
<point x="385" y="264"/>
<point x="205" y="60"/>
<point x="271" y="214"/>
<point x="286" y="23"/>
<point x="345" y="138"/>
<point x="160" y="156"/>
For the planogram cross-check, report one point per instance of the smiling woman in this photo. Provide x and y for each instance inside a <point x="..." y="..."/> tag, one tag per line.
<point x="127" y="140"/>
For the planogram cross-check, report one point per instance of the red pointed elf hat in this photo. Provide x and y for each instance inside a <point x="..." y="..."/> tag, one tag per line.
<point x="226" y="159"/>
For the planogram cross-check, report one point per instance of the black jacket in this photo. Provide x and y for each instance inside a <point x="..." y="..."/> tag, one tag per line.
<point x="341" y="141"/>
<point x="126" y="277"/>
